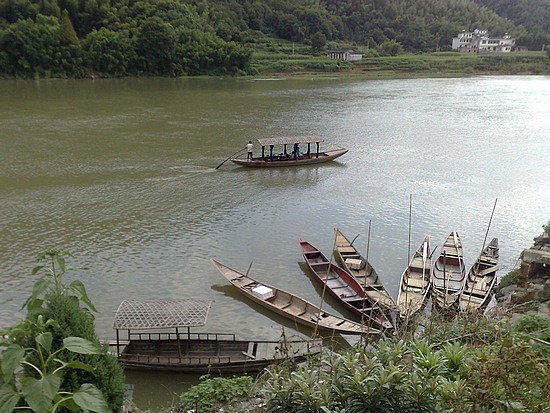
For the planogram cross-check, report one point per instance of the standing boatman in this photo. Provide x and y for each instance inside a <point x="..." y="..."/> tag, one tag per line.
<point x="249" y="147"/>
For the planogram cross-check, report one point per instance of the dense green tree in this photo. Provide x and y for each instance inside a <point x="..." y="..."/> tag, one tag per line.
<point x="109" y="52"/>
<point x="156" y="46"/>
<point x="68" y="35"/>
<point x="13" y="10"/>
<point x="318" y="42"/>
<point x="390" y="48"/>
<point x="30" y="48"/>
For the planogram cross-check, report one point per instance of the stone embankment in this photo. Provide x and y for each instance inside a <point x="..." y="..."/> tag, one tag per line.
<point x="532" y="289"/>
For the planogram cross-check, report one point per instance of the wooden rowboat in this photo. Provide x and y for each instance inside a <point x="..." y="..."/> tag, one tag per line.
<point x="480" y="280"/>
<point x="448" y="274"/>
<point x="415" y="282"/>
<point x="292" y="157"/>
<point x="344" y="287"/>
<point x="352" y="261"/>
<point x="154" y="341"/>
<point x="290" y="305"/>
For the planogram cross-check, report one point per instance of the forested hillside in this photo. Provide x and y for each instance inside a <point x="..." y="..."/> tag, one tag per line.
<point x="533" y="15"/>
<point x="77" y="38"/>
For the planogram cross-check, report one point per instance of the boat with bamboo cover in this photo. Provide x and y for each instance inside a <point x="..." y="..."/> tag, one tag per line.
<point x="154" y="341"/>
<point x="290" y="305"/>
<point x="414" y="287"/>
<point x="344" y="287"/>
<point x="448" y="274"/>
<point x="285" y="151"/>
<point x="480" y="280"/>
<point x="353" y="262"/>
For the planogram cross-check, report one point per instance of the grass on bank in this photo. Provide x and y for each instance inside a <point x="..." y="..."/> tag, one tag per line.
<point x="276" y="56"/>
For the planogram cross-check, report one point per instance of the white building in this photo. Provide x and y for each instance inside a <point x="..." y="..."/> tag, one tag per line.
<point x="348" y="55"/>
<point x="479" y="41"/>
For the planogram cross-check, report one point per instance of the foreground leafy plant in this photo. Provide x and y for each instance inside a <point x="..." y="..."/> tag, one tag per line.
<point x="60" y="304"/>
<point x="213" y="393"/>
<point x="42" y="394"/>
<point x="53" y="268"/>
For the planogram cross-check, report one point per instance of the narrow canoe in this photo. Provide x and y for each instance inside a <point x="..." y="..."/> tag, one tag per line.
<point x="480" y="280"/>
<point x="342" y="286"/>
<point x="290" y="305"/>
<point x="352" y="261"/>
<point x="415" y="282"/>
<point x="277" y="160"/>
<point x="448" y="274"/>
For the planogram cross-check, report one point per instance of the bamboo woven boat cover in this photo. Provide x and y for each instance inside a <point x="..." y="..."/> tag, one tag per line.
<point x="161" y="314"/>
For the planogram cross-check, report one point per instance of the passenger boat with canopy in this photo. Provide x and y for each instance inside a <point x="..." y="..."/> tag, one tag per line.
<point x="155" y="341"/>
<point x="286" y="151"/>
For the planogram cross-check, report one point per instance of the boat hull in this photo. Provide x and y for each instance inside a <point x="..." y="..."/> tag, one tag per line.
<point x="290" y="305"/>
<point x="448" y="274"/>
<point x="343" y="287"/>
<point x="312" y="159"/>
<point x="352" y="261"/>
<point x="414" y="287"/>
<point x="212" y="356"/>
<point x="480" y="280"/>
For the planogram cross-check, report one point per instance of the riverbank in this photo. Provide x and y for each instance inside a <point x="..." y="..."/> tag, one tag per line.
<point x="442" y="64"/>
<point x="485" y="361"/>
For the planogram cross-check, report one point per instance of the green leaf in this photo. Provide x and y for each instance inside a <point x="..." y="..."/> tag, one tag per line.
<point x="59" y="262"/>
<point x="38" y="290"/>
<point x="11" y="359"/>
<point x="45" y="340"/>
<point x="90" y="398"/>
<point x="39" y="393"/>
<point x="36" y="269"/>
<point x="8" y="398"/>
<point x="82" y="346"/>
<point x="75" y="364"/>
<point x="77" y="287"/>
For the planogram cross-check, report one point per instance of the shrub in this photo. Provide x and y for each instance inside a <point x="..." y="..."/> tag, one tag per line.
<point x="509" y="279"/>
<point x="211" y="394"/>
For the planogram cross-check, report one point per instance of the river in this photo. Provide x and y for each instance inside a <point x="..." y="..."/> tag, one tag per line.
<point x="122" y="174"/>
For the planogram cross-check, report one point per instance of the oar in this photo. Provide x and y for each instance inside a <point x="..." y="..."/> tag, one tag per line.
<point x="229" y="157"/>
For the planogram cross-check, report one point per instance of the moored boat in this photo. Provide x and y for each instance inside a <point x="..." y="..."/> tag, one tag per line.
<point x="344" y="287"/>
<point x="448" y="274"/>
<point x="290" y="305"/>
<point x="353" y="262"/>
<point x="481" y="279"/>
<point x="154" y="341"/>
<point x="284" y="156"/>
<point x="415" y="282"/>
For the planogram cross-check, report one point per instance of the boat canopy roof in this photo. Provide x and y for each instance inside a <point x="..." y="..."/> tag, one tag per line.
<point x="161" y="314"/>
<point x="286" y="140"/>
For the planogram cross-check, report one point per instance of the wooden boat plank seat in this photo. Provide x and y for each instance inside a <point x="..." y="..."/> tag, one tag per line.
<point x="417" y="282"/>
<point x="250" y="351"/>
<point x="347" y="250"/>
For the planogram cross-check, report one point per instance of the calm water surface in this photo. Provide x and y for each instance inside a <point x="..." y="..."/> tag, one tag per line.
<point x="121" y="173"/>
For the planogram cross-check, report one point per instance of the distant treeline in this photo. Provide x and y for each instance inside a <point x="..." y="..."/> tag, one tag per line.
<point x="78" y="38"/>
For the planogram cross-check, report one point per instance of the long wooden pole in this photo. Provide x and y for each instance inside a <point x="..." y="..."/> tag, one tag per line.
<point x="325" y="286"/>
<point x="230" y="156"/>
